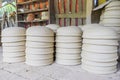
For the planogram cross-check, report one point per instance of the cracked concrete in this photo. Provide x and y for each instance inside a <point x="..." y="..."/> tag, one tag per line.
<point x="21" y="71"/>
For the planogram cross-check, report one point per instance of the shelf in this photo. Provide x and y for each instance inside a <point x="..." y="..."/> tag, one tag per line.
<point x="32" y="21"/>
<point x="28" y="2"/>
<point x="39" y="10"/>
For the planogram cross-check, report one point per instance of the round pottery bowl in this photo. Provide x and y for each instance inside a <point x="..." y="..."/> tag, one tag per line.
<point x="99" y="70"/>
<point x="12" y="39"/>
<point x="39" y="62"/>
<point x="39" y="31"/>
<point x="13" y="31"/>
<point x="68" y="51"/>
<point x="99" y="57"/>
<point x="13" y="54"/>
<point x="13" y="49"/>
<point x="68" y="39"/>
<point x="40" y="39"/>
<point x="68" y="56"/>
<point x="39" y="45"/>
<point x="113" y="4"/>
<point x="101" y="42"/>
<point x="99" y="64"/>
<point x="68" y="62"/>
<point x="39" y="57"/>
<point x="22" y="43"/>
<point x="30" y="50"/>
<point x="70" y="45"/>
<point x="100" y="33"/>
<point x="69" y="31"/>
<point x="13" y="60"/>
<point x="99" y="48"/>
<point x="112" y="13"/>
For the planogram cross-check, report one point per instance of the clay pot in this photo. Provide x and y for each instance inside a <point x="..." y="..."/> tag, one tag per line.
<point x="20" y="1"/>
<point x="36" y="6"/>
<point x="47" y="4"/>
<point x="30" y="17"/>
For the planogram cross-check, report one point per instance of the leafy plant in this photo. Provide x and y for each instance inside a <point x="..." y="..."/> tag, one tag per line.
<point x="9" y="8"/>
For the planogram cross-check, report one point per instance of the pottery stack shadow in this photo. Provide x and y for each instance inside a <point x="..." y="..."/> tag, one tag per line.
<point x="99" y="50"/>
<point x="111" y="17"/>
<point x="13" y="43"/>
<point x="39" y="46"/>
<point x="68" y="45"/>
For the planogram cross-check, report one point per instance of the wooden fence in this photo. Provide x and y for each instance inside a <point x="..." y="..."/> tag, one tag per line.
<point x="70" y="12"/>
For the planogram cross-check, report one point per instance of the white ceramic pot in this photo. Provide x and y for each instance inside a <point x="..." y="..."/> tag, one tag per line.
<point x="99" y="48"/>
<point x="111" y="17"/>
<point x="112" y="8"/>
<point x="68" y="62"/>
<point x="39" y="62"/>
<point x="13" y="54"/>
<point x="39" y="44"/>
<point x="89" y="26"/>
<point x="38" y="57"/>
<point x="68" y="56"/>
<point x="111" y="24"/>
<point x="22" y="43"/>
<point x="68" y="39"/>
<point x="39" y="31"/>
<point x="12" y="39"/>
<point x="101" y="42"/>
<point x="99" y="64"/>
<point x="100" y="33"/>
<point x="13" y="31"/>
<point x="116" y="29"/>
<point x="14" y="60"/>
<point x="69" y="31"/>
<point x="68" y="51"/>
<point x="14" y="49"/>
<point x="40" y="39"/>
<point x="39" y="50"/>
<point x="112" y="13"/>
<point x="99" y="57"/>
<point x="70" y="45"/>
<point x="111" y="21"/>
<point x="113" y="4"/>
<point x="99" y="70"/>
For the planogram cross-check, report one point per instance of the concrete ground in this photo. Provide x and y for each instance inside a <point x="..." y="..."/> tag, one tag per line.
<point x="21" y="71"/>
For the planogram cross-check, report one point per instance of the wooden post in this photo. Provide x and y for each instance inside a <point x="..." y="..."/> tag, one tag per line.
<point x="89" y="11"/>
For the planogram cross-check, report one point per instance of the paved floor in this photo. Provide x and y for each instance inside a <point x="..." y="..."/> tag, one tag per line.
<point x="21" y="71"/>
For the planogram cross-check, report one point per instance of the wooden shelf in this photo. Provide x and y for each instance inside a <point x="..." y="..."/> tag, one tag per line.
<point x="39" y="10"/>
<point x="28" y="2"/>
<point x="32" y="21"/>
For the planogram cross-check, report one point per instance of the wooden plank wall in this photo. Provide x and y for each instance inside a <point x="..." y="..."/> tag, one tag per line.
<point x="70" y="12"/>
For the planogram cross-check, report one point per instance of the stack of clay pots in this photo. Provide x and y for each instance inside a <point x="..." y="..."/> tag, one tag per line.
<point x="99" y="50"/>
<point x="68" y="45"/>
<point x="39" y="46"/>
<point x="111" y="17"/>
<point x="13" y="43"/>
<point x="54" y="27"/>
